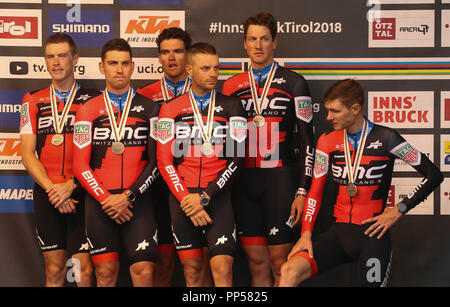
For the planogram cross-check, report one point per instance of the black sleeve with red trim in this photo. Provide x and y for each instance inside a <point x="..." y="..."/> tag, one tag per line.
<point x="304" y="122"/>
<point x="235" y="159"/>
<point x="150" y="172"/>
<point x="82" y="154"/>
<point x="399" y="147"/>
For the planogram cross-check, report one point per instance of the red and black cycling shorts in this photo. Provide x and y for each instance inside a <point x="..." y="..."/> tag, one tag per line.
<point x="57" y="231"/>
<point x="219" y="237"/>
<point x="347" y="243"/>
<point x="262" y="200"/>
<point x="106" y="238"/>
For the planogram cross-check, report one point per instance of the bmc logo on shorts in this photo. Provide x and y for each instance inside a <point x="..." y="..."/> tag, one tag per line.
<point x="82" y="134"/>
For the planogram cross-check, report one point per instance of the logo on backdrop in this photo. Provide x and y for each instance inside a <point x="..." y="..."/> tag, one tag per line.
<point x="141" y="28"/>
<point x="94" y="29"/>
<point x="10" y="101"/>
<point x="16" y="194"/>
<point x="20" y="27"/>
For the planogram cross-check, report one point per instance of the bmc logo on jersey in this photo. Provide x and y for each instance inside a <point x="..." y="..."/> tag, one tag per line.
<point x="166" y="130"/>
<point x="82" y="134"/>
<point x="303" y="108"/>
<point x="364" y="172"/>
<point x="407" y="153"/>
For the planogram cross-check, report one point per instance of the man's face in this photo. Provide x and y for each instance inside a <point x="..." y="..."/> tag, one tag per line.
<point x="260" y="46"/>
<point x="60" y="61"/>
<point x="204" y="71"/>
<point x="339" y="115"/>
<point x="117" y="68"/>
<point x="172" y="57"/>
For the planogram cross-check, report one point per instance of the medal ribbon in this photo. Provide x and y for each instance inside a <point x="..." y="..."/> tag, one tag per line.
<point x="353" y="170"/>
<point x="259" y="101"/>
<point x="165" y="90"/>
<point x="206" y="132"/>
<point x="58" y="123"/>
<point x="118" y="130"/>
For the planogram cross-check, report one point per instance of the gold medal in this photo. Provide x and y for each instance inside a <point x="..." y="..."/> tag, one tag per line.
<point x="118" y="148"/>
<point x="57" y="139"/>
<point x="207" y="149"/>
<point x="352" y="190"/>
<point x="259" y="121"/>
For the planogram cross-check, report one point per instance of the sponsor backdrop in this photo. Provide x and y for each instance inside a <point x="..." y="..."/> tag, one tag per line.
<point x="398" y="49"/>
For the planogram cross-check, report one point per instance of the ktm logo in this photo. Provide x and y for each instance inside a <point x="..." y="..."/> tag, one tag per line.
<point x="10" y="147"/>
<point x="151" y="24"/>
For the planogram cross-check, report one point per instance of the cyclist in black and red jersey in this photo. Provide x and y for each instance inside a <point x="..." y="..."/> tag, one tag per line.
<point x="173" y="44"/>
<point x="46" y="127"/>
<point x="201" y="147"/>
<point x="360" y="156"/>
<point x="115" y="147"/>
<point x="274" y="183"/>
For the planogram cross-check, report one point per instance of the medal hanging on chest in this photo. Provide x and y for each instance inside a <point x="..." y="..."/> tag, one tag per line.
<point x="352" y="170"/>
<point x="165" y="89"/>
<point x="59" y="122"/>
<point x="207" y="148"/>
<point x="258" y="119"/>
<point x="118" y="147"/>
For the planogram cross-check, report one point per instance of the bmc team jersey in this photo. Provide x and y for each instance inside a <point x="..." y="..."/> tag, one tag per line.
<point x="373" y="179"/>
<point x="99" y="169"/>
<point x="180" y="159"/>
<point x="263" y="195"/>
<point x="287" y="107"/>
<point x="36" y="118"/>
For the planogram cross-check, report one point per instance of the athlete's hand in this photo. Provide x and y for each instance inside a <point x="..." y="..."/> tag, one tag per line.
<point x="116" y="205"/>
<point x="190" y="204"/>
<point x="201" y="218"/>
<point x="60" y="192"/>
<point x="303" y="244"/>
<point x="68" y="206"/>
<point x="124" y="217"/>
<point x="297" y="209"/>
<point x="382" y="222"/>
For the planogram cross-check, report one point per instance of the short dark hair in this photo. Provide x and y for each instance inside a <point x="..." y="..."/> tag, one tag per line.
<point x="62" y="38"/>
<point x="349" y="91"/>
<point x="261" y="19"/>
<point x="118" y="44"/>
<point x="204" y="48"/>
<point x="174" y="33"/>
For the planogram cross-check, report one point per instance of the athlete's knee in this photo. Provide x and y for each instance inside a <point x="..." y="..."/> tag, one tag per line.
<point x="192" y="269"/>
<point x="142" y="270"/>
<point x="294" y="272"/>
<point x="221" y="265"/>
<point x="55" y="273"/>
<point x="106" y="273"/>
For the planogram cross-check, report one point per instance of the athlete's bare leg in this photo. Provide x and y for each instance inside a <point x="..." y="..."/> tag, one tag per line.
<point x="86" y="270"/>
<point x="55" y="268"/>
<point x="165" y="265"/>
<point x="222" y="270"/>
<point x="192" y="268"/>
<point x="142" y="273"/>
<point x="107" y="273"/>
<point x="259" y="265"/>
<point x="206" y="270"/>
<point x="278" y="255"/>
<point x="294" y="271"/>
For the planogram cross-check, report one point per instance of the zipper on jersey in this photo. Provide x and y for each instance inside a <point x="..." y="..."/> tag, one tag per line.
<point x="355" y="139"/>
<point x="121" y="156"/>
<point x="351" y="209"/>
<point x="257" y="136"/>
<point x="201" y="154"/>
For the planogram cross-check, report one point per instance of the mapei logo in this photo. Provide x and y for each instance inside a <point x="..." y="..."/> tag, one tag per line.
<point x="94" y="29"/>
<point x="141" y="28"/>
<point x="16" y="194"/>
<point x="20" y="27"/>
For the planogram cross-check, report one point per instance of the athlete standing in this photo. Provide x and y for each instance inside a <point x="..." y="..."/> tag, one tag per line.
<point x="46" y="128"/>
<point x="201" y="139"/>
<point x="267" y="198"/>
<point x="360" y="156"/>
<point x="115" y="147"/>
<point x="173" y="44"/>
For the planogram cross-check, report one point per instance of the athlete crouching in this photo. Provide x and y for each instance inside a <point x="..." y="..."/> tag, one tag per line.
<point x="361" y="231"/>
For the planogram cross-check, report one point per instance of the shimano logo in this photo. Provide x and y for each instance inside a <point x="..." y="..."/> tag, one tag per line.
<point x="81" y="28"/>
